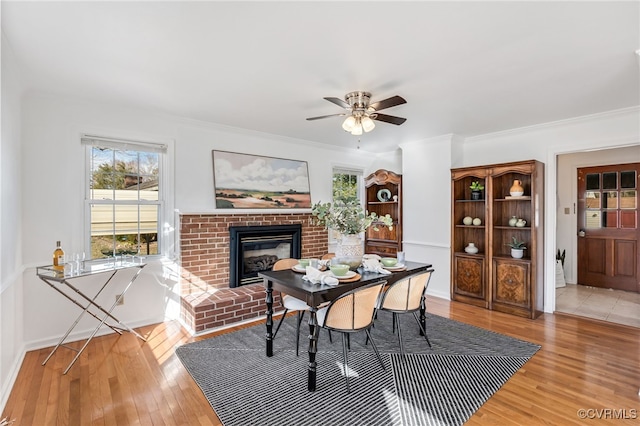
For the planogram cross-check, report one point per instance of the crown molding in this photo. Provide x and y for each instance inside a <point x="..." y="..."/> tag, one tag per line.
<point x="558" y="123"/>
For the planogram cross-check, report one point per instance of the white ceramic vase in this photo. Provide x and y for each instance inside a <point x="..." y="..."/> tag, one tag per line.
<point x="517" y="253"/>
<point x="471" y="248"/>
<point x="349" y="250"/>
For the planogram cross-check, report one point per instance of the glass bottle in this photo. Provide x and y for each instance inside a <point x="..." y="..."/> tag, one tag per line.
<point x="58" y="258"/>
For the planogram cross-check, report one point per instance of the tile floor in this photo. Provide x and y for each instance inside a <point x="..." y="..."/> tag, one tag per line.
<point x="617" y="306"/>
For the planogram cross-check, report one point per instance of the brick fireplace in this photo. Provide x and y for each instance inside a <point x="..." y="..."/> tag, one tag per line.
<point x="207" y="301"/>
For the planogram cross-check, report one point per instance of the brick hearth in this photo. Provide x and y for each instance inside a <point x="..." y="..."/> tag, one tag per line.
<point x="206" y="300"/>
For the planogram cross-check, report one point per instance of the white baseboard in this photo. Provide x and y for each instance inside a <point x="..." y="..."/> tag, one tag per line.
<point x="439" y="294"/>
<point x="84" y="334"/>
<point x="13" y="375"/>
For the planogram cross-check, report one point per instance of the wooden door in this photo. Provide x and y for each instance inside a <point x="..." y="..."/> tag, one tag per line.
<point x="469" y="280"/>
<point x="512" y="287"/>
<point x="608" y="233"/>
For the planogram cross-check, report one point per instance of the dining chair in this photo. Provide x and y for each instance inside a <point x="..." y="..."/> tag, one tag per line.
<point x="406" y="296"/>
<point x="351" y="312"/>
<point x="290" y="303"/>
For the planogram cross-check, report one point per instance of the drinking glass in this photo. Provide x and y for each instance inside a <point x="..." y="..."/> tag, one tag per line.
<point x="76" y="264"/>
<point x="68" y="269"/>
<point x="400" y="257"/>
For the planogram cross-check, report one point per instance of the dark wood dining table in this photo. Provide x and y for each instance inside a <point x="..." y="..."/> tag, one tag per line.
<point x="290" y="282"/>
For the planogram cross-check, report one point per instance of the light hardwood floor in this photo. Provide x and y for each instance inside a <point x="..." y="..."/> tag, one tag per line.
<point x="583" y="365"/>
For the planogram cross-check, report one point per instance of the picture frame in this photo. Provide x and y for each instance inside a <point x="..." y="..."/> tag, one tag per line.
<point x="248" y="181"/>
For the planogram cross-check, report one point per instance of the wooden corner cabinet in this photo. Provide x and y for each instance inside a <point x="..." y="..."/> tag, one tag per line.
<point x="383" y="194"/>
<point x="485" y="273"/>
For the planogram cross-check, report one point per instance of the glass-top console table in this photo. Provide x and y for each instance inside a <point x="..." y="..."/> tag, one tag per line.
<point x="62" y="282"/>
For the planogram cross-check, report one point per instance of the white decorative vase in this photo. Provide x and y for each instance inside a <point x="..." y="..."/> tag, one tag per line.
<point x="350" y="250"/>
<point x="517" y="253"/>
<point x="471" y="248"/>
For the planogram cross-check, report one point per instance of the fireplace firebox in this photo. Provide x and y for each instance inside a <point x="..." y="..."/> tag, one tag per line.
<point x="255" y="249"/>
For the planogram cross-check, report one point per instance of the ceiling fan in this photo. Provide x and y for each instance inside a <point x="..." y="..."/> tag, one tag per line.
<point x="361" y="113"/>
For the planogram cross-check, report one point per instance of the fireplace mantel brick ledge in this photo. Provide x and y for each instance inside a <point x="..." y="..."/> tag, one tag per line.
<point x="206" y="300"/>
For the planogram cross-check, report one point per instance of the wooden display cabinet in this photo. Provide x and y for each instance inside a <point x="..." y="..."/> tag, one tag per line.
<point x="469" y="282"/>
<point x="492" y="278"/>
<point x="384" y="242"/>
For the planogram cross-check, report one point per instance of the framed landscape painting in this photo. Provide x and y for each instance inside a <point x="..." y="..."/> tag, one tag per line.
<point x="244" y="181"/>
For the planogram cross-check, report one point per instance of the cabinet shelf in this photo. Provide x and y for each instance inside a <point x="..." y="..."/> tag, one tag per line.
<point x="469" y="201"/>
<point x="525" y="259"/>
<point x="382" y="202"/>
<point x="471" y="226"/>
<point x="513" y="228"/>
<point x="464" y="253"/>
<point x="523" y="198"/>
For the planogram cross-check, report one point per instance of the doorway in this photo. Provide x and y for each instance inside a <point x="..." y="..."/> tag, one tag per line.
<point x="608" y="227"/>
<point x="585" y="300"/>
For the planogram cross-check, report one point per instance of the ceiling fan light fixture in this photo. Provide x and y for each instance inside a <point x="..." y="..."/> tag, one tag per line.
<point x="357" y="129"/>
<point x="349" y="123"/>
<point x="361" y="114"/>
<point x="367" y="124"/>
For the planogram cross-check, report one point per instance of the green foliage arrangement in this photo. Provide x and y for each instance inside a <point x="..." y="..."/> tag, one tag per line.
<point x="476" y="186"/>
<point x="348" y="217"/>
<point x="515" y="244"/>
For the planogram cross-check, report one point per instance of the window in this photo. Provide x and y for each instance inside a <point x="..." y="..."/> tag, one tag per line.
<point x="347" y="186"/>
<point x="124" y="197"/>
<point x="611" y="200"/>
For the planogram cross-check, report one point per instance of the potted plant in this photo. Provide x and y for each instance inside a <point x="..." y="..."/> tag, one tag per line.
<point x="476" y="190"/>
<point x="517" y="248"/>
<point x="349" y="219"/>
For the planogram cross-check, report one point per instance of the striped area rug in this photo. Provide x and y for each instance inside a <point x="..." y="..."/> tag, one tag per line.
<point x="442" y="385"/>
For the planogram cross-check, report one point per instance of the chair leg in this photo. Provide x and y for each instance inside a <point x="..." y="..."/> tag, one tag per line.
<point x="280" y="323"/>
<point x="375" y="348"/>
<point x="300" y="316"/>
<point x="345" y="359"/>
<point x="395" y="316"/>
<point x="330" y="338"/>
<point x="415" y="315"/>
<point x="393" y="323"/>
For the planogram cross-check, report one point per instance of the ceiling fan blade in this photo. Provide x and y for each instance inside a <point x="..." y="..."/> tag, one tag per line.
<point x="387" y="103"/>
<point x="388" y="118"/>
<point x="325" y="116"/>
<point x="339" y="102"/>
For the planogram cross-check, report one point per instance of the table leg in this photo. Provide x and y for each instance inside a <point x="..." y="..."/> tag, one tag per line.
<point x="313" y="349"/>
<point x="269" y="300"/>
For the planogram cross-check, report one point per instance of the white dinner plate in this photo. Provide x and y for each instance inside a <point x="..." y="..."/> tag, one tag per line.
<point x="349" y="274"/>
<point x="397" y="267"/>
<point x="299" y="268"/>
<point x="302" y="269"/>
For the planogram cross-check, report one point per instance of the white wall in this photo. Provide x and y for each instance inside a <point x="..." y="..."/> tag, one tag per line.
<point x="426" y="184"/>
<point x="11" y="296"/>
<point x="567" y="197"/>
